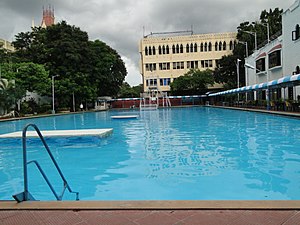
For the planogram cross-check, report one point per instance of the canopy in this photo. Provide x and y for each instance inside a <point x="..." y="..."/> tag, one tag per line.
<point x="286" y="81"/>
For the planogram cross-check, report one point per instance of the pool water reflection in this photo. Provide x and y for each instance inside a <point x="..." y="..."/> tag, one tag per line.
<point x="194" y="153"/>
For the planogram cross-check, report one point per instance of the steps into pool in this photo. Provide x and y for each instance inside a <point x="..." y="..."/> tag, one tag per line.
<point x="61" y="133"/>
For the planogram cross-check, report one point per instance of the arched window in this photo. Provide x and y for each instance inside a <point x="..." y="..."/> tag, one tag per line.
<point x="224" y="46"/>
<point x="159" y="50"/>
<point x="153" y="50"/>
<point x="220" y="46"/>
<point x="181" y="48"/>
<point x="201" y="47"/>
<point x="230" y="45"/>
<point x="297" y="70"/>
<point x="150" y="51"/>
<point x="177" y="48"/>
<point x="297" y="29"/>
<point x="205" y="47"/>
<point x="191" y="48"/>
<point x="163" y="50"/>
<point x="173" y="49"/>
<point x="146" y="50"/>
<point x="209" y="46"/>
<point x="216" y="46"/>
<point x="167" y="50"/>
<point x="195" y="47"/>
<point x="187" y="48"/>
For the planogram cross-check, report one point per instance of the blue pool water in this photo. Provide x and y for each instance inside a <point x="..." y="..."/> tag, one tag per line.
<point x="170" y="154"/>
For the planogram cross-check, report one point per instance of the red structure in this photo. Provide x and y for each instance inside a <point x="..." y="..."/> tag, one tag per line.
<point x="175" y="101"/>
<point x="48" y="17"/>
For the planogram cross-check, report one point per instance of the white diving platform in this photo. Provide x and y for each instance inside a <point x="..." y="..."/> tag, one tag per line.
<point x="125" y="117"/>
<point x="61" y="133"/>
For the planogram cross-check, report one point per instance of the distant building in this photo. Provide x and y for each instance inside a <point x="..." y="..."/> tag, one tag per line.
<point x="166" y="57"/>
<point x="48" y="17"/>
<point x="6" y="45"/>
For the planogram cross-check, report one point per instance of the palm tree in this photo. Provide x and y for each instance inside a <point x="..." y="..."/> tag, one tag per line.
<point x="7" y="95"/>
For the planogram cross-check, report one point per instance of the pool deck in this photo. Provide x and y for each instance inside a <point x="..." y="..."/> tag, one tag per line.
<point x="152" y="212"/>
<point x="279" y="113"/>
<point x="155" y="212"/>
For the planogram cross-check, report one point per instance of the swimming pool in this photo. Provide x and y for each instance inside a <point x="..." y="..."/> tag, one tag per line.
<point x="194" y="153"/>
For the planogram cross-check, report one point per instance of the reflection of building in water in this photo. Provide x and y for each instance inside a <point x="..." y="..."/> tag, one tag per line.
<point x="172" y="151"/>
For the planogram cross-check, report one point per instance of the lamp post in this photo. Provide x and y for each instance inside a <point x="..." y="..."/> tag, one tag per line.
<point x="246" y="46"/>
<point x="255" y="38"/>
<point x="246" y="69"/>
<point x="238" y="77"/>
<point x="53" y="110"/>
<point x="268" y="30"/>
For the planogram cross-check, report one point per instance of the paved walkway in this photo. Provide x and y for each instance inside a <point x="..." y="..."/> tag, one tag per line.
<point x="151" y="217"/>
<point x="151" y="212"/>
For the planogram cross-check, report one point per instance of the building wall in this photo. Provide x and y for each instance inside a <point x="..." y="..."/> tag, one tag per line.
<point x="165" y="58"/>
<point x="6" y="45"/>
<point x="290" y="57"/>
<point x="291" y="54"/>
<point x="270" y="72"/>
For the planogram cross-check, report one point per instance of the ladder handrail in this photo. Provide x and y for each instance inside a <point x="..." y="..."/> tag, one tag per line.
<point x="26" y="195"/>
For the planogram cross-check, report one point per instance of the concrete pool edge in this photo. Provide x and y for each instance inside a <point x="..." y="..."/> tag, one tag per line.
<point x="152" y="205"/>
<point x="279" y="113"/>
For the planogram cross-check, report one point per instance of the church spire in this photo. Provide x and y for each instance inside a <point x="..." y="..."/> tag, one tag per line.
<point x="48" y="16"/>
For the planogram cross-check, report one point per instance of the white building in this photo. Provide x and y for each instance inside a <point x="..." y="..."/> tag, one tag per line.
<point x="167" y="57"/>
<point x="279" y="58"/>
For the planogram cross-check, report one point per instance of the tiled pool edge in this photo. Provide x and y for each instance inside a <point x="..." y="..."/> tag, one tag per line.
<point x="150" y="205"/>
<point x="279" y="113"/>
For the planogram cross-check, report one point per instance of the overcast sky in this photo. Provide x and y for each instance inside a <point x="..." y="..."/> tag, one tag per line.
<point x="119" y="23"/>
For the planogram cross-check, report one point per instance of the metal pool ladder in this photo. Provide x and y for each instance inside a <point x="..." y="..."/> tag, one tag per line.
<point x="26" y="196"/>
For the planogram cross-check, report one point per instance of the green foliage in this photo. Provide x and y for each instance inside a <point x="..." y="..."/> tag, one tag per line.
<point x="86" y="69"/>
<point x="226" y="70"/>
<point x="29" y="107"/>
<point x="273" y="18"/>
<point x="192" y="83"/>
<point x="130" y="92"/>
<point x="28" y="76"/>
<point x="108" y="69"/>
<point x="34" y="78"/>
<point x="8" y="94"/>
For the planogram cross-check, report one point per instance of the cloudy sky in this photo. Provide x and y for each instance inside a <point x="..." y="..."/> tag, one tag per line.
<point x="120" y="23"/>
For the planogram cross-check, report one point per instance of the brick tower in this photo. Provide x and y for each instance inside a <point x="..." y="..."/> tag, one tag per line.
<point x="48" y="17"/>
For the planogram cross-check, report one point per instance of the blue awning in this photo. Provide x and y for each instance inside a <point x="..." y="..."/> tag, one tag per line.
<point x="293" y="80"/>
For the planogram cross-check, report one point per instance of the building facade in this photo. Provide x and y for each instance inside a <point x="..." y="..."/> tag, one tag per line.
<point x="163" y="59"/>
<point x="278" y="58"/>
<point x="6" y="45"/>
<point x="291" y="39"/>
<point x="48" y="17"/>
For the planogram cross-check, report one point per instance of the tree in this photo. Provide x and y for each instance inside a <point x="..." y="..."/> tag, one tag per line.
<point x="34" y="78"/>
<point x="273" y="18"/>
<point x="86" y="69"/>
<point x="130" y="92"/>
<point x="226" y="70"/>
<point x="107" y="67"/>
<point x="193" y="82"/>
<point x="8" y="94"/>
<point x="28" y="76"/>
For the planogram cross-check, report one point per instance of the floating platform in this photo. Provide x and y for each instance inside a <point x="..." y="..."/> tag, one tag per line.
<point x="61" y="133"/>
<point x="125" y="117"/>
